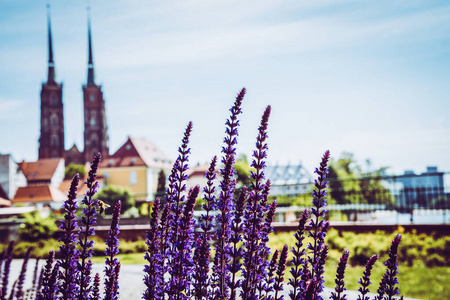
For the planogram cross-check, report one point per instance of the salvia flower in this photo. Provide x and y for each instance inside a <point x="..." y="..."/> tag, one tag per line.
<point x="182" y="264"/>
<point x="232" y="124"/>
<point x="21" y="279"/>
<point x="340" y="284"/>
<point x="298" y="260"/>
<point x="270" y="275"/>
<point x="319" y="227"/>
<point x="177" y="185"/>
<point x="151" y="278"/>
<point x="365" y="280"/>
<point x="112" y="264"/>
<point x="87" y="223"/>
<point x="392" y="269"/>
<point x="223" y="233"/>
<point x="278" y="287"/>
<point x="68" y="273"/>
<point x="6" y="269"/>
<point x="46" y="274"/>
<point x="200" y="275"/>
<point x="236" y="237"/>
<point x="96" y="288"/>
<point x="209" y="197"/>
<point x="254" y="215"/>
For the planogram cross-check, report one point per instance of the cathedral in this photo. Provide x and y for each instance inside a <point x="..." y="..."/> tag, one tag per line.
<point x="51" y="140"/>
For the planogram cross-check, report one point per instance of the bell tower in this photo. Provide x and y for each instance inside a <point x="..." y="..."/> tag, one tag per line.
<point x="51" y="140"/>
<point x="95" y="128"/>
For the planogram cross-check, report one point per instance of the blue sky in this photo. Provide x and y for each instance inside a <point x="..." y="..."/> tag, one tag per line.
<point x="367" y="77"/>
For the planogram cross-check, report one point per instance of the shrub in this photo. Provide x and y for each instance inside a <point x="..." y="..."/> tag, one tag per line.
<point x="37" y="227"/>
<point x="178" y="261"/>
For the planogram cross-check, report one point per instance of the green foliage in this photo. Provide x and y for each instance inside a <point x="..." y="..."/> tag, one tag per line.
<point x="349" y="184"/>
<point x="110" y="194"/>
<point x="292" y="200"/>
<point x="417" y="254"/>
<point x="243" y="169"/>
<point x="161" y="187"/>
<point x="37" y="227"/>
<point x="73" y="169"/>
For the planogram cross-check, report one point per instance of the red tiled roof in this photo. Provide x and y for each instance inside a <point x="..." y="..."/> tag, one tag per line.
<point x="38" y="193"/>
<point x="41" y="170"/>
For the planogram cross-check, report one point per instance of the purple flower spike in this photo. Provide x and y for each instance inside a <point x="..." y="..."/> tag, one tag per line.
<point x="392" y="269"/>
<point x="68" y="273"/>
<point x="340" y="284"/>
<point x="92" y="176"/>
<point x="200" y="276"/>
<point x="20" y="281"/>
<point x="232" y="124"/>
<point x="320" y="228"/>
<point x="236" y="237"/>
<point x="254" y="226"/>
<point x="112" y="264"/>
<point x="46" y="273"/>
<point x="365" y="280"/>
<point x="209" y="197"/>
<point x="96" y="288"/>
<point x="182" y="262"/>
<point x="87" y="223"/>
<point x="152" y="272"/>
<point x="278" y="287"/>
<point x="271" y="274"/>
<point x="177" y="187"/>
<point x="298" y="260"/>
<point x="6" y="269"/>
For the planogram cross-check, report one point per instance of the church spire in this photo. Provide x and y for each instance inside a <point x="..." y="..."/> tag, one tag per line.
<point x="90" y="78"/>
<point x="51" y="64"/>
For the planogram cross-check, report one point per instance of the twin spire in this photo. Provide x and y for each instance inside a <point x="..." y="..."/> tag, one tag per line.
<point x="51" y="63"/>
<point x="90" y="78"/>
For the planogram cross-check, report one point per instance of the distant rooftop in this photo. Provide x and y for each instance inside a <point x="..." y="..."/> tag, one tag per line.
<point x="288" y="174"/>
<point x="137" y="152"/>
<point x="41" y="170"/>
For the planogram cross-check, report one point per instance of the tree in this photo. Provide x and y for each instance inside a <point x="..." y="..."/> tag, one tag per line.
<point x="110" y="194"/>
<point x="73" y="169"/>
<point x="161" y="187"/>
<point x="349" y="184"/>
<point x="243" y="169"/>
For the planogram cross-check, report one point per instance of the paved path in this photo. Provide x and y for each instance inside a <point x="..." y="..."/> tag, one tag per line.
<point x="130" y="280"/>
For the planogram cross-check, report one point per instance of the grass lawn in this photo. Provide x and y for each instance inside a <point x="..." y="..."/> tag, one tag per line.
<point x="415" y="282"/>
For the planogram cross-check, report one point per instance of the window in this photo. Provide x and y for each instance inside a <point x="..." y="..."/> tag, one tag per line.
<point x="93" y="119"/>
<point x="94" y="141"/>
<point x="92" y="97"/>
<point x="53" y="100"/>
<point x="54" y="140"/>
<point x="133" y="178"/>
<point x="54" y="119"/>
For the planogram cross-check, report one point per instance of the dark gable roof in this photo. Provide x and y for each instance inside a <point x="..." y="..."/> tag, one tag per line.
<point x="137" y="152"/>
